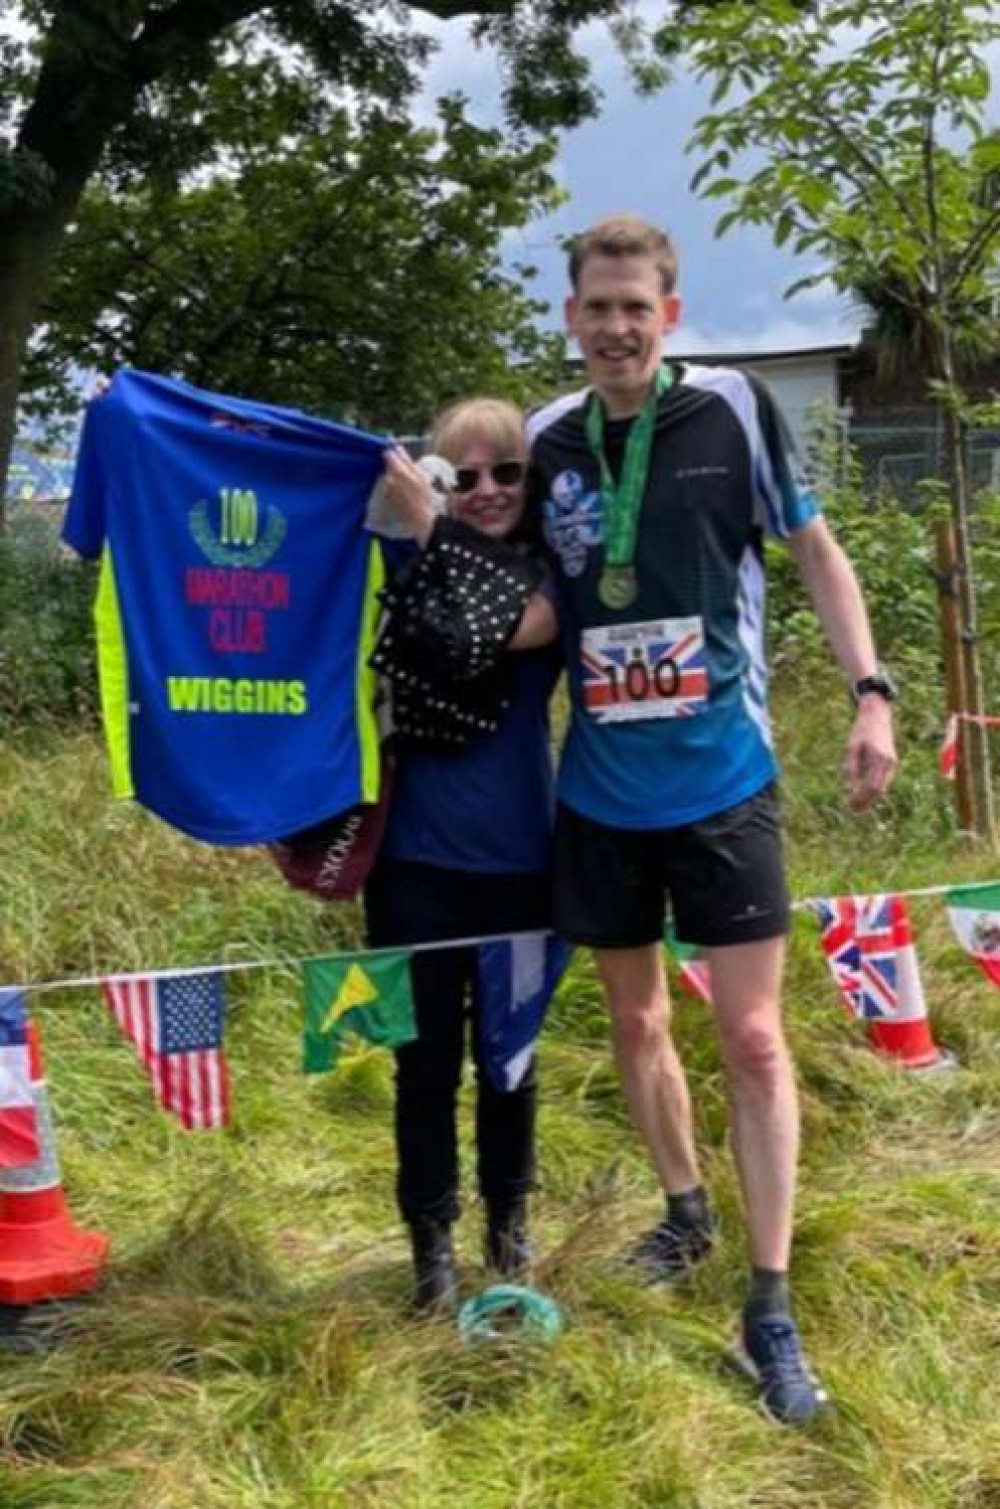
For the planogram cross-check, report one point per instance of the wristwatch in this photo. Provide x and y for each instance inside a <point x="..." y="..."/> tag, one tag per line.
<point x="880" y="682"/>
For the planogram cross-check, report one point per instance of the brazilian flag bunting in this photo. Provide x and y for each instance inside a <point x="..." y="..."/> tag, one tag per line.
<point x="366" y="993"/>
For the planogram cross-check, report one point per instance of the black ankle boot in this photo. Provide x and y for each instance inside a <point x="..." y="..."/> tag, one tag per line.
<point x="508" y="1245"/>
<point x="433" y="1266"/>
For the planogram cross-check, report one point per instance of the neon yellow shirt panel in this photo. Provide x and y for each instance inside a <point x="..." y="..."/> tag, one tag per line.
<point x="367" y="723"/>
<point x="112" y="671"/>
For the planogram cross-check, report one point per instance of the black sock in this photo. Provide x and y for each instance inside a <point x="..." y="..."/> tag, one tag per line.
<point x="690" y="1209"/>
<point x="768" y="1293"/>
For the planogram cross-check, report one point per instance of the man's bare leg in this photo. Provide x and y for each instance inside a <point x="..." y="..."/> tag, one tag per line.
<point x="651" y="1074"/>
<point x="746" y="986"/>
<point x="746" y="991"/>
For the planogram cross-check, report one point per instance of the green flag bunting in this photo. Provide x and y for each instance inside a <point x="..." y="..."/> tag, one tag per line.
<point x="691" y="966"/>
<point x="369" y="994"/>
<point x="975" y="915"/>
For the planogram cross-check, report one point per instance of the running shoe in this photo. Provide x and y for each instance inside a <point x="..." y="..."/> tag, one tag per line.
<point x="770" y="1353"/>
<point x="667" y="1254"/>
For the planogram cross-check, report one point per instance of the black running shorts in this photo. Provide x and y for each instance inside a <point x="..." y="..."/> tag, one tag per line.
<point x="722" y="877"/>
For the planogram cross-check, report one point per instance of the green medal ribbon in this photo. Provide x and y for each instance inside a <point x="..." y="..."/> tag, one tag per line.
<point x="618" y="585"/>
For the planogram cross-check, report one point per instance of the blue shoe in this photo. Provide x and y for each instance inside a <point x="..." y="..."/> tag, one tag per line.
<point x="770" y="1353"/>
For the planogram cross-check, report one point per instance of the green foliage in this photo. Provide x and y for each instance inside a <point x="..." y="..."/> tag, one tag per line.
<point x="871" y="153"/>
<point x="46" y="649"/>
<point x="892" y="551"/>
<point x="25" y="179"/>
<point x="877" y="155"/>
<point x="134" y="93"/>
<point x="354" y="270"/>
<point x="891" y="547"/>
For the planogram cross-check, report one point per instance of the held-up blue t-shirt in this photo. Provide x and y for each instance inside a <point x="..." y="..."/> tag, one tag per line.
<point x="236" y="606"/>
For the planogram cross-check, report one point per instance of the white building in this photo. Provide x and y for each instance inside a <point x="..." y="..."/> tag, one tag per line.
<point x="799" y="380"/>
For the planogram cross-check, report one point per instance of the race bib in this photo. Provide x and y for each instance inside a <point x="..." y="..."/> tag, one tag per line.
<point x="645" y="670"/>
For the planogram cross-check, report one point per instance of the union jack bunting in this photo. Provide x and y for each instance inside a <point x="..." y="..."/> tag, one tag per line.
<point x="883" y="930"/>
<point x="863" y="938"/>
<point x="18" y="1116"/>
<point x="648" y="670"/>
<point x="839" y="936"/>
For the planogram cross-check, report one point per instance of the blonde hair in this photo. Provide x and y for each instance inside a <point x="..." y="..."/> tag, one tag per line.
<point x="625" y="236"/>
<point x="494" y="421"/>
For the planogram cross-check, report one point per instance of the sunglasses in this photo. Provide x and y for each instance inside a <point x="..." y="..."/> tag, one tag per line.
<point x="504" y="474"/>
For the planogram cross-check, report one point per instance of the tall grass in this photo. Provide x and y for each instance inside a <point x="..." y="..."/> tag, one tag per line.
<point x="252" y="1344"/>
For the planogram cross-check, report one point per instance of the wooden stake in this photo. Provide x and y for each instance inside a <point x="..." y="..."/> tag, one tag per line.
<point x="949" y="613"/>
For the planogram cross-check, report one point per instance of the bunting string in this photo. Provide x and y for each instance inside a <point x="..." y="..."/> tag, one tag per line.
<point x="175" y="1018"/>
<point x="806" y="903"/>
<point x="238" y="966"/>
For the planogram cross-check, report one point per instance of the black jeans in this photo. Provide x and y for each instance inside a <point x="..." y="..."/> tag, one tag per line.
<point x="417" y="903"/>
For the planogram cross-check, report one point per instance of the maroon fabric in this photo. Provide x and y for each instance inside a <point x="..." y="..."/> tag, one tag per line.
<point x="333" y="859"/>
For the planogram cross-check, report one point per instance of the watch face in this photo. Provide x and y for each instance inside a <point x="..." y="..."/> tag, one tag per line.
<point x="882" y="684"/>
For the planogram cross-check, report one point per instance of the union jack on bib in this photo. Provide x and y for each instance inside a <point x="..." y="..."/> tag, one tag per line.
<point x="654" y="670"/>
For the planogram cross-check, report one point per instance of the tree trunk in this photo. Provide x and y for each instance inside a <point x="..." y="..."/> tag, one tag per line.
<point x="96" y="60"/>
<point x="29" y="241"/>
<point x="975" y="740"/>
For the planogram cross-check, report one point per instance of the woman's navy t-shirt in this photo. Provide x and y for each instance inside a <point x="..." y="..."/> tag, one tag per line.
<point x="489" y="806"/>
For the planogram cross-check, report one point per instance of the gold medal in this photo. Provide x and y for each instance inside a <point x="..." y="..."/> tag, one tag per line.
<point x="618" y="587"/>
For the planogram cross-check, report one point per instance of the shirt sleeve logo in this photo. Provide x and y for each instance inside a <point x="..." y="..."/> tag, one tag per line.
<point x="572" y="521"/>
<point x="238" y="539"/>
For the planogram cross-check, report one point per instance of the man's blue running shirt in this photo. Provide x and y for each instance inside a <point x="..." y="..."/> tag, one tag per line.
<point x="669" y="709"/>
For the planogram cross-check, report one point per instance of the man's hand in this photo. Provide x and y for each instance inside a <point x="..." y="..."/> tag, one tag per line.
<point x="870" y="761"/>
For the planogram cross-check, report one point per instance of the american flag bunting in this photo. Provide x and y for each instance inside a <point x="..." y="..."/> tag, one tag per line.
<point x="176" y="1023"/>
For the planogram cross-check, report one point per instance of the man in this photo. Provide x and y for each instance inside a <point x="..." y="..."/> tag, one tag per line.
<point x="657" y="487"/>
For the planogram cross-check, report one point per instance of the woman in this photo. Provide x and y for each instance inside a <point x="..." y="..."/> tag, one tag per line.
<point x="466" y="854"/>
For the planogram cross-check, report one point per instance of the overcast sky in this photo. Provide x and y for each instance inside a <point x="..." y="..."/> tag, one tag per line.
<point x="632" y="158"/>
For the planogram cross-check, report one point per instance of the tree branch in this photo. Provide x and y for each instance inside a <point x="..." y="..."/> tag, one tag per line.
<point x="977" y="245"/>
<point x="869" y="163"/>
<point x="450" y="10"/>
<point x="927" y="148"/>
<point x="184" y="27"/>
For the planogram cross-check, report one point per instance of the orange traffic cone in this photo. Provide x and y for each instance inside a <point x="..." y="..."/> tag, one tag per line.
<point x="904" y="1035"/>
<point x="42" y="1254"/>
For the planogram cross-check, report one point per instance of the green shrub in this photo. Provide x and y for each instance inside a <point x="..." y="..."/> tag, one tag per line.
<point x="891" y="547"/>
<point x="46" y="637"/>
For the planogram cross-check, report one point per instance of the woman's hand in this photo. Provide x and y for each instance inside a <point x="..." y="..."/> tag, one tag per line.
<point x="410" y="493"/>
<point x="539" y="624"/>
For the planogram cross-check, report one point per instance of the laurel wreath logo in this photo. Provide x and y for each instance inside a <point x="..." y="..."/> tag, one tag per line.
<point x="257" y="554"/>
